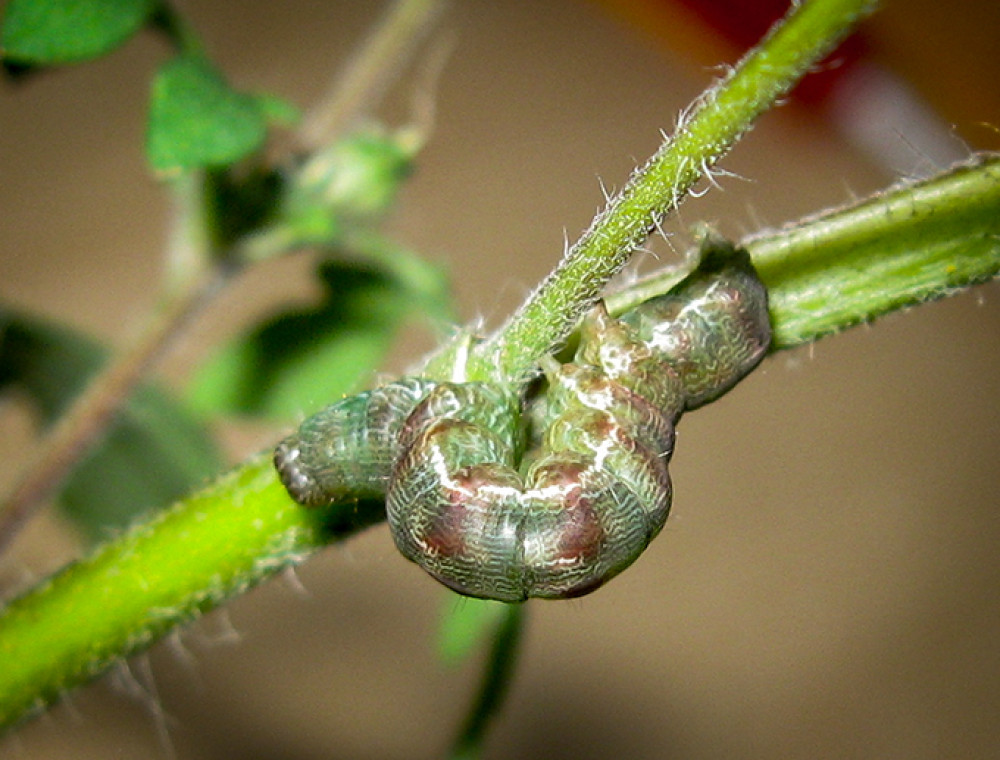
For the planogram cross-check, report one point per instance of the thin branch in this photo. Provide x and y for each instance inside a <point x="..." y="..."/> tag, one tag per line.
<point x="722" y="115"/>
<point x="358" y="89"/>
<point x="189" y="285"/>
<point x="500" y="662"/>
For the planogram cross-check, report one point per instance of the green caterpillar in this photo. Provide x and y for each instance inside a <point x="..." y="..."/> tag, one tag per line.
<point x="591" y="494"/>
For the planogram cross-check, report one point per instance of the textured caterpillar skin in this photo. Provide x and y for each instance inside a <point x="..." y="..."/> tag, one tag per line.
<point x="713" y="327"/>
<point x="594" y="493"/>
<point x="348" y="449"/>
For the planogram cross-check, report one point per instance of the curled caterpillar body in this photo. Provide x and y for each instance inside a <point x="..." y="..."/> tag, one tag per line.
<point x="713" y="328"/>
<point x="594" y="491"/>
<point x="585" y="509"/>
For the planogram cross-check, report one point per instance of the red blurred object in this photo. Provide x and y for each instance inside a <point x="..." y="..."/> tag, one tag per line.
<point x="872" y="108"/>
<point x="743" y="22"/>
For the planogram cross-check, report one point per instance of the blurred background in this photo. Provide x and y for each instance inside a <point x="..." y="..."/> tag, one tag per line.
<point x="826" y="585"/>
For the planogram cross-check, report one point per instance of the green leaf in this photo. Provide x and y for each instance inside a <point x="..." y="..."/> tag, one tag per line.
<point x="278" y="110"/>
<point x="197" y="120"/>
<point x="304" y="358"/>
<point x="68" y="31"/>
<point x="154" y="452"/>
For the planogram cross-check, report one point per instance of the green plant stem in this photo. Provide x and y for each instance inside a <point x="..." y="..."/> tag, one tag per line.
<point x="911" y="244"/>
<point x="907" y="247"/>
<point x="704" y="135"/>
<point x="500" y="662"/>
<point x="244" y="528"/>
<point x="219" y="542"/>
<point x="372" y="69"/>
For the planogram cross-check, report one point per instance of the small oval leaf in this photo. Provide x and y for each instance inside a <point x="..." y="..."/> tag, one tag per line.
<point x="197" y="120"/>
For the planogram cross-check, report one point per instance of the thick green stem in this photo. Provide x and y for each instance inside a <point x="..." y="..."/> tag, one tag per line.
<point x="911" y="244"/>
<point x="704" y="135"/>
<point x="219" y="542"/>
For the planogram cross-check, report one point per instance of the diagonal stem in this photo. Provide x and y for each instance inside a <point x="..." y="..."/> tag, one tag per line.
<point x="908" y="245"/>
<point x="190" y="283"/>
<point x="704" y="135"/>
<point x="380" y="59"/>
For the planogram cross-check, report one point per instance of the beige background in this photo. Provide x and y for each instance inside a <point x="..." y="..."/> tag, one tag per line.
<point x="827" y="583"/>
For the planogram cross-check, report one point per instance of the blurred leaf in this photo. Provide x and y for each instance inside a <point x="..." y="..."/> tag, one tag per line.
<point x="197" y="120"/>
<point x="17" y="73"/>
<point x="303" y="358"/>
<point x="426" y="282"/>
<point x="278" y="110"/>
<point x="67" y="31"/>
<point x="153" y="453"/>
<point x="465" y="624"/>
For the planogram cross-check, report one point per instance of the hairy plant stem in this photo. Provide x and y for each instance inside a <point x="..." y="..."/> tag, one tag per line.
<point x="243" y="528"/>
<point x="703" y="136"/>
<point x="912" y="243"/>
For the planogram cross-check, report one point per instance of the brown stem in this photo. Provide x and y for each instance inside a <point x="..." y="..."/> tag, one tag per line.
<point x="360" y="86"/>
<point x="93" y="411"/>
<point x="191" y="276"/>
